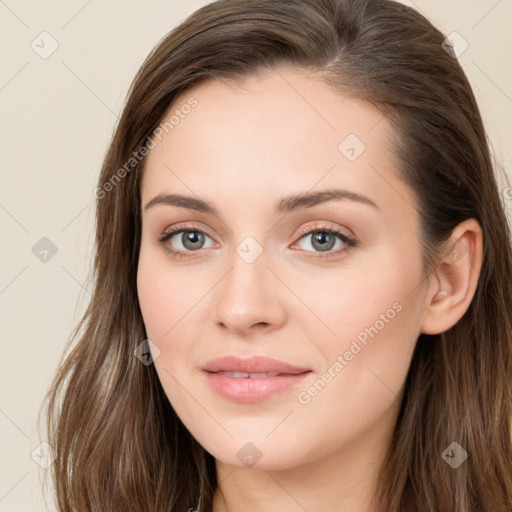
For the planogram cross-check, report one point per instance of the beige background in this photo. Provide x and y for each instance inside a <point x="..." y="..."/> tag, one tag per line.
<point x="58" y="114"/>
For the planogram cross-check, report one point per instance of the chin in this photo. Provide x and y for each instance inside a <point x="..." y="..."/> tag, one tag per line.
<point x="262" y="454"/>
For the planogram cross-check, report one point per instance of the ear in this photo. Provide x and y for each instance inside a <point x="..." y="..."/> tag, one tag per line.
<point x="453" y="283"/>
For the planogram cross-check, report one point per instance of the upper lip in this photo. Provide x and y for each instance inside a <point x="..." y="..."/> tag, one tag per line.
<point x="255" y="364"/>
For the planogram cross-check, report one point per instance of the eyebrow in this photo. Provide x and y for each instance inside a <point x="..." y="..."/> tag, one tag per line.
<point x="285" y="205"/>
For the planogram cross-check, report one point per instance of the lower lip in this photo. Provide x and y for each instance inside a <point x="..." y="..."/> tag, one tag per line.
<point x="246" y="390"/>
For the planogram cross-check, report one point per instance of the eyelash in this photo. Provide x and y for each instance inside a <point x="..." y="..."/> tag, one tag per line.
<point x="349" y="242"/>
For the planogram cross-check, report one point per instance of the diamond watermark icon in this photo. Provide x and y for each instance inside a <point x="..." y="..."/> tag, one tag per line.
<point x="147" y="352"/>
<point x="44" y="455"/>
<point x="249" y="249"/>
<point x="457" y="251"/>
<point x="44" y="45"/>
<point x="44" y="250"/>
<point x="454" y="45"/>
<point x="249" y="455"/>
<point x="351" y="147"/>
<point x="454" y="455"/>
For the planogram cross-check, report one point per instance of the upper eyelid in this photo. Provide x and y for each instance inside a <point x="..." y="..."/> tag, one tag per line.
<point x="184" y="227"/>
<point x="307" y="231"/>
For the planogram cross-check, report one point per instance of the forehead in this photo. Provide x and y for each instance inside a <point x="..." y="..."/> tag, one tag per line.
<point x="283" y="130"/>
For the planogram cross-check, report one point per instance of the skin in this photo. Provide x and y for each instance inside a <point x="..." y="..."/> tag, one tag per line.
<point x="242" y="148"/>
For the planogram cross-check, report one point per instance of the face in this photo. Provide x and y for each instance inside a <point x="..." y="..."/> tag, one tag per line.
<point x="264" y="259"/>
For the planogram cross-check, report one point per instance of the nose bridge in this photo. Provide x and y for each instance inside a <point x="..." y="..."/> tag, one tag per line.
<point x="247" y="297"/>
<point x="247" y="277"/>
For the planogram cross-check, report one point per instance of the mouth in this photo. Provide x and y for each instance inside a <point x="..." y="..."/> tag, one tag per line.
<point x="253" y="387"/>
<point x="253" y="367"/>
<point x="256" y="375"/>
<point x="252" y="380"/>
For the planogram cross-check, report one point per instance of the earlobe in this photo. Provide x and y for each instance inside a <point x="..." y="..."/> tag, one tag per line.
<point x="454" y="281"/>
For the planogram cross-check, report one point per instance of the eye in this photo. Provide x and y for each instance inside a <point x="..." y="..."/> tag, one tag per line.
<point x="324" y="238"/>
<point x="191" y="240"/>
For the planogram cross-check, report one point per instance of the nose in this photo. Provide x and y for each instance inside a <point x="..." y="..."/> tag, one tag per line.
<point x="249" y="297"/>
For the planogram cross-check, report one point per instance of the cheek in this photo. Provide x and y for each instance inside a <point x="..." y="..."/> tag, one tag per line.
<point x="374" y="322"/>
<point x="342" y="303"/>
<point x="166" y="303"/>
<point x="368" y="359"/>
<point x="365" y="368"/>
<point x="156" y="289"/>
<point x="168" y="296"/>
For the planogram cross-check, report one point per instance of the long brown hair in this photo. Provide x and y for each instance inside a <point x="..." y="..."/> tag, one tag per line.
<point x="120" y="445"/>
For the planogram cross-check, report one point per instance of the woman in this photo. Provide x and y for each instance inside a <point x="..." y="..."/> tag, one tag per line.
<point x="225" y="363"/>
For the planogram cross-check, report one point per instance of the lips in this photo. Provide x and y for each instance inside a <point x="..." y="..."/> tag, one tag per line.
<point x="253" y="380"/>
<point x="254" y="367"/>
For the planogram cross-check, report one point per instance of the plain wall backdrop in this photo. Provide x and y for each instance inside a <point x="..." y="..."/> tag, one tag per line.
<point x="65" y="70"/>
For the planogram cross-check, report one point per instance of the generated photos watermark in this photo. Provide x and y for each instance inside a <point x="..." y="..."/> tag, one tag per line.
<point x="137" y="156"/>
<point x="305" y="397"/>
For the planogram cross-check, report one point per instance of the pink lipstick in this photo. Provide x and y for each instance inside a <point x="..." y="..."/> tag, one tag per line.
<point x="252" y="380"/>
